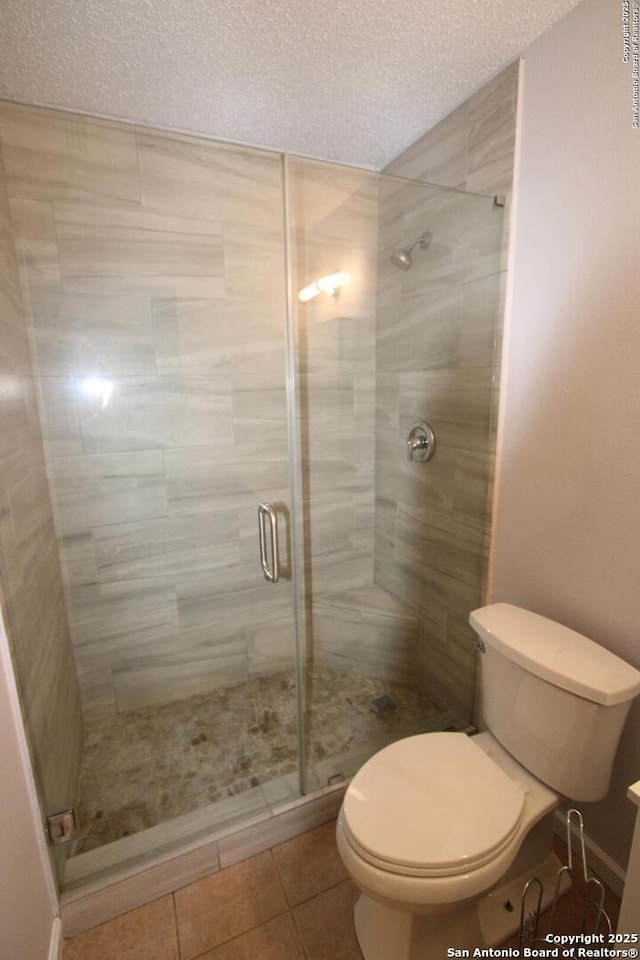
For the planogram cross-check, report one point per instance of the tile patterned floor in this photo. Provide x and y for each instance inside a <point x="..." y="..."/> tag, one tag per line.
<point x="148" y="766"/>
<point x="293" y="902"/>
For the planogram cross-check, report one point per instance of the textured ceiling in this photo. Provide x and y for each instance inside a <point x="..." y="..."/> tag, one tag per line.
<point x="349" y="80"/>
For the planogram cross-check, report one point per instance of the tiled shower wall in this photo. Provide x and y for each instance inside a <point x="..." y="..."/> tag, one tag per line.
<point x="153" y="267"/>
<point x="154" y="271"/>
<point x="31" y="591"/>
<point x="438" y="357"/>
<point x="334" y="214"/>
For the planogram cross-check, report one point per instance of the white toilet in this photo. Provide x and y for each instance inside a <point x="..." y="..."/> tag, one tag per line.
<point x="440" y="831"/>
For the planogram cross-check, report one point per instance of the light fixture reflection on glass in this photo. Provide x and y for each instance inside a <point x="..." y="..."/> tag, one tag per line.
<point x="329" y="285"/>
<point x="98" y="387"/>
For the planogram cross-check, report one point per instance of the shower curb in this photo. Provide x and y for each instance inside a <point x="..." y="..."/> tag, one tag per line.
<point x="120" y="891"/>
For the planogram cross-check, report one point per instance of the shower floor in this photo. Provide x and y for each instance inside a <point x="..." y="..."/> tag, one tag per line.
<point x="148" y="766"/>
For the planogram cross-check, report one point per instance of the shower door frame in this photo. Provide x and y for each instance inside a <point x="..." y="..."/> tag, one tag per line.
<point x="295" y="480"/>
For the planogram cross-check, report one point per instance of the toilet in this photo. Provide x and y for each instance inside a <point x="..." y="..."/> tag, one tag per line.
<point x="441" y="831"/>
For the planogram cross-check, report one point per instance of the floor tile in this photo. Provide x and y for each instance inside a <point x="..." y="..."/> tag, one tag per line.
<point x="310" y="863"/>
<point x="276" y="940"/>
<point x="148" y="933"/>
<point x="220" y="907"/>
<point x="326" y="924"/>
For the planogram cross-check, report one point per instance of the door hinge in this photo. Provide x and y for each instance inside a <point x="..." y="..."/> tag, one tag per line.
<point x="61" y="827"/>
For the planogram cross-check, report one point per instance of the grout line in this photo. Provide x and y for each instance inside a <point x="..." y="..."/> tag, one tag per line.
<point x="248" y="929"/>
<point x="321" y="893"/>
<point x="236" y="936"/>
<point x="300" y="937"/>
<point x="280" y="877"/>
<point x="175" y="923"/>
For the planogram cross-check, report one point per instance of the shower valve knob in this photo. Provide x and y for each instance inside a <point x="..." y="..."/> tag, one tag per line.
<point x="421" y="442"/>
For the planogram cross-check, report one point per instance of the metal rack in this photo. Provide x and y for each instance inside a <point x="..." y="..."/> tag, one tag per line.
<point x="593" y="913"/>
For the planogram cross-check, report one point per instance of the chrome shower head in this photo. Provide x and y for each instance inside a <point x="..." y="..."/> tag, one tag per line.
<point x="403" y="259"/>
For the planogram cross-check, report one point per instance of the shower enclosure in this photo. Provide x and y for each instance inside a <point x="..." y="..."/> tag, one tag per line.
<point x="229" y="348"/>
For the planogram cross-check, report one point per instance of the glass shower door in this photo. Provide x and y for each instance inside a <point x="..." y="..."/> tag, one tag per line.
<point x="394" y="299"/>
<point x="153" y="266"/>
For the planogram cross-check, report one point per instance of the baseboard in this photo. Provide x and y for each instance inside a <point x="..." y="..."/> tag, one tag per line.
<point x="55" y="944"/>
<point x="598" y="860"/>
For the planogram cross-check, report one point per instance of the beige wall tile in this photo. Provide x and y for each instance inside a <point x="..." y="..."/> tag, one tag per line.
<point x="8" y="257"/>
<point x="169" y="284"/>
<point x="57" y="401"/>
<point x="421" y="333"/>
<point x="167" y="546"/>
<point x="349" y="569"/>
<point x="319" y="190"/>
<point x="151" y="413"/>
<point x="37" y="248"/>
<point x="335" y="217"/>
<point x="202" y="337"/>
<point x="111" y="251"/>
<point x="367" y="631"/>
<point x="94" y="336"/>
<point x="254" y="263"/>
<point x="101" y="489"/>
<point x="163" y="679"/>
<point x="192" y="177"/>
<point x="272" y="646"/>
<point x="121" y="612"/>
<point x="258" y="402"/>
<point x="241" y="599"/>
<point x="473" y="149"/>
<point x="55" y="156"/>
<point x="439" y="543"/>
<point x="14" y="346"/>
<point x="32" y="594"/>
<point x="153" y="266"/>
<point x="492" y="125"/>
<point x="440" y="156"/>
<point x="230" y="476"/>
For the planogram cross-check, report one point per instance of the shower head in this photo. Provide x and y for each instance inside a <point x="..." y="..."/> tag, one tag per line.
<point x="403" y="259"/>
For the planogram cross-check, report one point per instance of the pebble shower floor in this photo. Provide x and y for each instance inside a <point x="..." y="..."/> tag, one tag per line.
<point x="148" y="766"/>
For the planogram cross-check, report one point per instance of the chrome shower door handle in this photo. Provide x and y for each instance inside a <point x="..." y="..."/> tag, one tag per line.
<point x="266" y="512"/>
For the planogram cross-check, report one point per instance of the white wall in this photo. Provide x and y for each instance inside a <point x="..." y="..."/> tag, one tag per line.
<point x="567" y="521"/>
<point x="27" y="897"/>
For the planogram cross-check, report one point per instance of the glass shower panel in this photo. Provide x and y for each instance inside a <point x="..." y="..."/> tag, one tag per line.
<point x="393" y="548"/>
<point x="437" y="327"/>
<point x="154" y="268"/>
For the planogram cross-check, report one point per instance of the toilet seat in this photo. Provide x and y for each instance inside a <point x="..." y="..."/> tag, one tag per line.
<point x="432" y="805"/>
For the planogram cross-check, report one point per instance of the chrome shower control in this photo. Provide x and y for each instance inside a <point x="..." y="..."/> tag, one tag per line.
<point x="421" y="442"/>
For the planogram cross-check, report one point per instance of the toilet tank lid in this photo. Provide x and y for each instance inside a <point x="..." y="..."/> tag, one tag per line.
<point x="557" y="654"/>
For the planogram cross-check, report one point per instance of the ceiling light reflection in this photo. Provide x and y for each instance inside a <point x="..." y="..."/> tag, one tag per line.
<point x="98" y="387"/>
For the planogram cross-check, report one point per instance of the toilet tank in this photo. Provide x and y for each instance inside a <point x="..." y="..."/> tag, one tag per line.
<point x="554" y="699"/>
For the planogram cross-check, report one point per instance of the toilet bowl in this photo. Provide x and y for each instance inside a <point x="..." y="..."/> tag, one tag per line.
<point x="449" y="821"/>
<point x="441" y="831"/>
